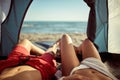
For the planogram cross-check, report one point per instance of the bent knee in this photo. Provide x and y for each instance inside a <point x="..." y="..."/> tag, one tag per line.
<point x="90" y="43"/>
<point x="26" y="44"/>
<point x="25" y="41"/>
<point x="65" y="36"/>
<point x="87" y="42"/>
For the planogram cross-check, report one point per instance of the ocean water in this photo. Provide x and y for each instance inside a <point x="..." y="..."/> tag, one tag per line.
<point x="53" y="27"/>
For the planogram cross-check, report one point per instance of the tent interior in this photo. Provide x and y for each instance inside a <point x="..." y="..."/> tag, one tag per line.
<point x="103" y="28"/>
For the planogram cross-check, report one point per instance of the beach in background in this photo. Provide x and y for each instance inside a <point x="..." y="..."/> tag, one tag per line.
<point x="37" y="31"/>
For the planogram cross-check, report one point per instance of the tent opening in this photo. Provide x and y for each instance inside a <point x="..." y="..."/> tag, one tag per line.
<point x="47" y="20"/>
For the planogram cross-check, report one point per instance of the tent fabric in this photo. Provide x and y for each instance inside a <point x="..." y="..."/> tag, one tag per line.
<point x="114" y="26"/>
<point x="4" y="9"/>
<point x="0" y="20"/>
<point x="97" y="23"/>
<point x="91" y="29"/>
<point x="10" y="28"/>
<point x="103" y="24"/>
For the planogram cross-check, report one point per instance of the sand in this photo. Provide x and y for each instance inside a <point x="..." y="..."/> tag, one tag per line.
<point x="76" y="37"/>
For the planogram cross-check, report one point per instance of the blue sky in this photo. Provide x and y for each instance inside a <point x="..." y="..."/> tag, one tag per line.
<point x="57" y="10"/>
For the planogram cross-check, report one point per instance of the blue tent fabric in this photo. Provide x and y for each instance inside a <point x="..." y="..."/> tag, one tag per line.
<point x="10" y="28"/>
<point x="101" y="25"/>
<point x="97" y="30"/>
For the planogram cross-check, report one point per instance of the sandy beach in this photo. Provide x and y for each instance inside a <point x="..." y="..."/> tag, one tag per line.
<point x="76" y="37"/>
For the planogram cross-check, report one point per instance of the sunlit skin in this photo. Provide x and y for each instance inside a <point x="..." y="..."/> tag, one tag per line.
<point x="70" y="60"/>
<point x="26" y="72"/>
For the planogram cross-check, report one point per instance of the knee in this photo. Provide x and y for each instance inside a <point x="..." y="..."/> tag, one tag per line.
<point x="87" y="42"/>
<point x="66" y="39"/>
<point x="65" y="36"/>
<point x="25" y="41"/>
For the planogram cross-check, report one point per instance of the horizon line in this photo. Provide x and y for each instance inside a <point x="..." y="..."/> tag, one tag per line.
<point x="51" y="21"/>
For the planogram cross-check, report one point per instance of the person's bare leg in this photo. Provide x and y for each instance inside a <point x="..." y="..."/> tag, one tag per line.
<point x="31" y="47"/>
<point x="68" y="55"/>
<point x="89" y="50"/>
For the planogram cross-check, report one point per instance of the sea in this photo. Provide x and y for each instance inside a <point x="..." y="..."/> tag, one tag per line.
<point x="53" y="27"/>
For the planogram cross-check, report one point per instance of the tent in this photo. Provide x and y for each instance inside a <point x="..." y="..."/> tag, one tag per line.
<point x="103" y="24"/>
<point x="12" y="14"/>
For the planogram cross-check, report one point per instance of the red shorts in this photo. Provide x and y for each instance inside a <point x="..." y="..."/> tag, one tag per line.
<point x="20" y="56"/>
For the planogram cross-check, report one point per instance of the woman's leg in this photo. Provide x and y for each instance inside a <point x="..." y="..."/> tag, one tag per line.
<point x="31" y="47"/>
<point x="89" y="50"/>
<point x="68" y="55"/>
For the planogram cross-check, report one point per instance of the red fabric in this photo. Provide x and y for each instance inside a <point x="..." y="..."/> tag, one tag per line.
<point x="45" y="63"/>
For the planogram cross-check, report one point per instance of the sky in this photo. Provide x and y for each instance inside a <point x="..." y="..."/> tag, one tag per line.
<point x="57" y="10"/>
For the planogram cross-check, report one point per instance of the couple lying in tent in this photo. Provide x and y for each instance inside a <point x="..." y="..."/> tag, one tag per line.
<point x="28" y="62"/>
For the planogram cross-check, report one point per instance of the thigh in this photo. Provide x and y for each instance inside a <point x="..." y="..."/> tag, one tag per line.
<point x="89" y="50"/>
<point x="68" y="55"/>
<point x="18" y="51"/>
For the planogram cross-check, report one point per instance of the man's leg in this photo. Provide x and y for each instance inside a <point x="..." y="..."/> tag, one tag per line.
<point x="31" y="48"/>
<point x="68" y="55"/>
<point x="88" y="49"/>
